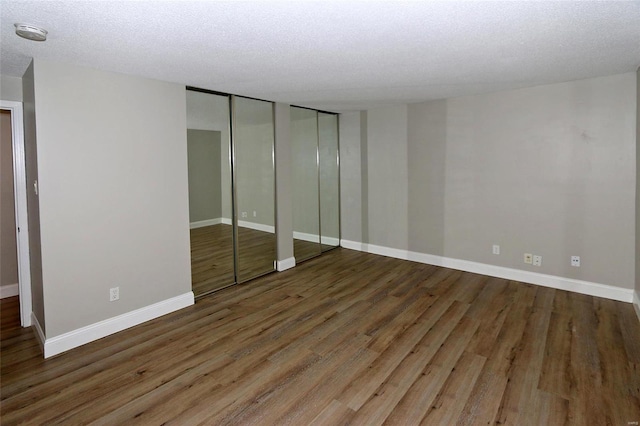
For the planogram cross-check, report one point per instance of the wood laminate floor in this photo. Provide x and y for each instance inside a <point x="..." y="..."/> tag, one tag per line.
<point x="345" y="338"/>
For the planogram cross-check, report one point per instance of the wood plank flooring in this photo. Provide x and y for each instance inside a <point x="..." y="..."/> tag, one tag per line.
<point x="345" y="338"/>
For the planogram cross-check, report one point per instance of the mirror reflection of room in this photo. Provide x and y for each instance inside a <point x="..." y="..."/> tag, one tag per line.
<point x="210" y="212"/>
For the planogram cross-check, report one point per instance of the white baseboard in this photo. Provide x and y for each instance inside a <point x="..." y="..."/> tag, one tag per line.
<point x="636" y="303"/>
<point x="257" y="226"/>
<point x="39" y="333"/>
<point x="283" y="265"/>
<point x="81" y="336"/>
<point x="226" y="221"/>
<point x="560" y="283"/>
<point x="9" y="290"/>
<point x="203" y="223"/>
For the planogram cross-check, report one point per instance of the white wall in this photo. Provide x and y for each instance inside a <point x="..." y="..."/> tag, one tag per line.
<point x="8" y="248"/>
<point x="112" y="169"/>
<point x="548" y="170"/>
<point x="10" y="88"/>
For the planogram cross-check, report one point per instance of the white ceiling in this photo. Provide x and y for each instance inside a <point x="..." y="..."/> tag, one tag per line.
<point x="343" y="55"/>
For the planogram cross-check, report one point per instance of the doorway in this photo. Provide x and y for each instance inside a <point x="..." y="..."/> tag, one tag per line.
<point x="14" y="246"/>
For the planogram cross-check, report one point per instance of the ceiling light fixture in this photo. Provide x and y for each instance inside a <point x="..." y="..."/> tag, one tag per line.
<point x="30" y="32"/>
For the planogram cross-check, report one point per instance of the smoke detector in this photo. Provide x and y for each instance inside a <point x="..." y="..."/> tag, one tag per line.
<point x="31" y="32"/>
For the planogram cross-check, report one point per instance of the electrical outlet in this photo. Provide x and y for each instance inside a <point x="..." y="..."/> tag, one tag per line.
<point x="537" y="260"/>
<point x="496" y="249"/>
<point x="255" y="213"/>
<point x="244" y="214"/>
<point x="575" y="261"/>
<point x="528" y="258"/>
<point x="114" y="294"/>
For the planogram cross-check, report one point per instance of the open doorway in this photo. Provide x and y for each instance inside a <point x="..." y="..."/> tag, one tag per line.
<point x="14" y="245"/>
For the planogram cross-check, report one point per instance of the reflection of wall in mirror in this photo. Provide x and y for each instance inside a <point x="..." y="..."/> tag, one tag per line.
<point x="205" y="203"/>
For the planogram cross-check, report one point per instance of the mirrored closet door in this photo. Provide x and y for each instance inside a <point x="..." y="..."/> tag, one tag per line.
<point x="315" y="182"/>
<point x="230" y="146"/>
<point x="304" y="184"/>
<point x="210" y="198"/>
<point x="329" y="163"/>
<point x="254" y="185"/>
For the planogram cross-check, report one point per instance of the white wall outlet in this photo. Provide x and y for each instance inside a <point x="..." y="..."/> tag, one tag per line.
<point x="528" y="258"/>
<point x="496" y="249"/>
<point x="255" y="213"/>
<point x="575" y="261"/>
<point x="537" y="260"/>
<point x="244" y="214"/>
<point x="114" y="294"/>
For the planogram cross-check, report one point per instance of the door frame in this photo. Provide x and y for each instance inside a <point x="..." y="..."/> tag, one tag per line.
<point x="22" y="218"/>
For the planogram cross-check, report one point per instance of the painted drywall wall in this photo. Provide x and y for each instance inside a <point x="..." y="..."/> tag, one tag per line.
<point x="350" y="177"/>
<point x="205" y="192"/>
<point x="8" y="250"/>
<point x="387" y="176"/>
<point x="112" y="166"/>
<point x="33" y="202"/>
<point x="284" y="206"/>
<point x="10" y="88"/>
<point x="427" y="144"/>
<point x="548" y="170"/>
<point x="541" y="170"/>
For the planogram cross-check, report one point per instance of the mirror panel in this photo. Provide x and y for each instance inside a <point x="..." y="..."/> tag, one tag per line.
<point x="329" y="180"/>
<point x="254" y="187"/>
<point x="208" y="148"/>
<point x="305" y="188"/>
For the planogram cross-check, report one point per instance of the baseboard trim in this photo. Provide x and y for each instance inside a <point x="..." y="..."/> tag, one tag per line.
<point x="39" y="333"/>
<point x="81" y="336"/>
<point x="636" y="303"/>
<point x="203" y="223"/>
<point x="560" y="283"/>
<point x="283" y="265"/>
<point x="9" y="291"/>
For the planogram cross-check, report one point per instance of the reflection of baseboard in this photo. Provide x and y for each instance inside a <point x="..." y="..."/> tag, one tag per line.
<point x="636" y="303"/>
<point x="257" y="226"/>
<point x="313" y="238"/>
<point x="9" y="290"/>
<point x="203" y="223"/>
<point x="561" y="283"/>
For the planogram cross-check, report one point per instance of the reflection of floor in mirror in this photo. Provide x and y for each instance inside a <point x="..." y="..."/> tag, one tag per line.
<point x="303" y="250"/>
<point x="212" y="256"/>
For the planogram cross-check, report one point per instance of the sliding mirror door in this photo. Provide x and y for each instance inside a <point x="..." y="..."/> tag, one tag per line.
<point x="329" y="180"/>
<point x="305" y="188"/>
<point x="208" y="148"/>
<point x="253" y="152"/>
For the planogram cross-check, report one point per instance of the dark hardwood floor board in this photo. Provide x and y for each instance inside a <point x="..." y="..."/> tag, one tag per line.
<point x="344" y="338"/>
<point x="415" y="403"/>
<point x="336" y="413"/>
<point x="384" y="399"/>
<point x="454" y="393"/>
<point x="524" y="376"/>
<point x="487" y="397"/>
<point x="364" y="385"/>
<point x="614" y="365"/>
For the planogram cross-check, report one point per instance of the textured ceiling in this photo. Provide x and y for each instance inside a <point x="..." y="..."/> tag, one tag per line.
<point x="339" y="56"/>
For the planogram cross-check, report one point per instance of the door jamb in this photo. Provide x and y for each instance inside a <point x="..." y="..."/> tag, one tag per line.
<point x="20" y="195"/>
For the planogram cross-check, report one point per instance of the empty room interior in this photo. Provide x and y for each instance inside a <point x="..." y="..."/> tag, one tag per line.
<point x="320" y="212"/>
